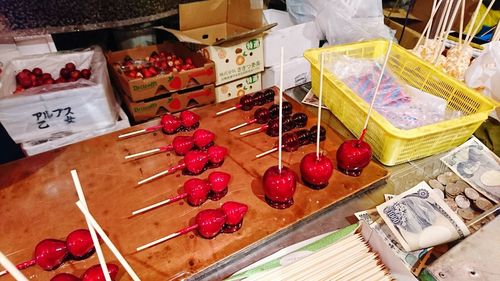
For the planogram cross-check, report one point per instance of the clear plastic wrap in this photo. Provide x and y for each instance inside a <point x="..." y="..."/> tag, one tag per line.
<point x="405" y="107"/>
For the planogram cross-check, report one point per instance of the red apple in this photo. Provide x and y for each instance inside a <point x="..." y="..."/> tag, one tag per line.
<point x="315" y="171"/>
<point x="79" y="243"/>
<point x="353" y="156"/>
<point x="279" y="187"/>
<point x="46" y="76"/>
<point x="86" y="73"/>
<point x="37" y="71"/>
<point x="48" y="81"/>
<point x="210" y="222"/>
<point x="70" y="66"/>
<point x="197" y="191"/>
<point x="26" y="82"/>
<point x="75" y="74"/>
<point x="60" y="80"/>
<point x="65" y="73"/>
<point x="94" y="273"/>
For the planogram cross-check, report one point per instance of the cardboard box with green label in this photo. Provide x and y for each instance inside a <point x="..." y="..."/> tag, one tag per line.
<point x="229" y="33"/>
<point x="238" y="88"/>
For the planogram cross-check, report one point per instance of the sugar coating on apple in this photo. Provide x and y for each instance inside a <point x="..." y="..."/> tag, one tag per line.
<point x="299" y="119"/>
<point x="190" y="120"/>
<point x="65" y="277"/>
<point x="246" y="102"/>
<point x="196" y="162"/>
<point x="210" y="222"/>
<point x="316" y="171"/>
<point x="80" y="244"/>
<point x="94" y="273"/>
<point x="353" y="156"/>
<point x="279" y="187"/>
<point x="203" y="138"/>
<point x="218" y="185"/>
<point x="217" y="154"/>
<point x="50" y="253"/>
<point x="197" y="191"/>
<point x="182" y="144"/>
<point x="269" y="95"/>
<point x="170" y="124"/>
<point x="259" y="98"/>
<point x="261" y="115"/>
<point x="235" y="212"/>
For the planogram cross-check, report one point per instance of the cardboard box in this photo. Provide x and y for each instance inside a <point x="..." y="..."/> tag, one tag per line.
<point x="42" y="145"/>
<point x="295" y="38"/>
<point x="51" y="110"/>
<point x="228" y="32"/>
<point x="174" y="102"/>
<point x="295" y="72"/>
<point x="410" y="37"/>
<point x="140" y="89"/>
<point x="238" y="88"/>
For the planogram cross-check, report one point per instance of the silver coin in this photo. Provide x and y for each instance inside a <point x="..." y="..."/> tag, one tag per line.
<point x="483" y="204"/>
<point x="466" y="214"/>
<point x="452" y="177"/>
<point x="451" y="203"/>
<point x="462" y="202"/>
<point x="436" y="184"/>
<point x="461" y="185"/>
<point x="471" y="193"/>
<point x="443" y="179"/>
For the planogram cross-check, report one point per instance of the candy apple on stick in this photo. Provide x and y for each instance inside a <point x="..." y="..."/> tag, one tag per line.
<point x="263" y="115"/>
<point x="316" y="168"/>
<point x="197" y="191"/>
<point x="210" y="222"/>
<point x="354" y="155"/>
<point x="201" y="139"/>
<point x="279" y="182"/>
<point x="247" y="102"/>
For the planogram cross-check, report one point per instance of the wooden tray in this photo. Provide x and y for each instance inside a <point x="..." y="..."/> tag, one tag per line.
<point x="37" y="198"/>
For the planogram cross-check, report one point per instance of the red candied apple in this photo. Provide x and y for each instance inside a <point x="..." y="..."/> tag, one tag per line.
<point x="203" y="138"/>
<point x="65" y="277"/>
<point x="197" y="191"/>
<point x="170" y="124"/>
<point x="60" y="80"/>
<point x="210" y="222"/>
<point x="48" y="81"/>
<point x="50" y="253"/>
<point x="196" y="162"/>
<point x="316" y="171"/>
<point x="75" y="74"/>
<point x="218" y="185"/>
<point x="46" y="76"/>
<point x="189" y="119"/>
<point x="353" y="156"/>
<point x="70" y="66"/>
<point x="182" y="144"/>
<point x="23" y="75"/>
<point x="279" y="187"/>
<point x="216" y="154"/>
<point x="94" y="273"/>
<point x="37" y="71"/>
<point x="234" y="216"/>
<point x="26" y="82"/>
<point x="79" y="243"/>
<point x="85" y="73"/>
<point x="65" y="73"/>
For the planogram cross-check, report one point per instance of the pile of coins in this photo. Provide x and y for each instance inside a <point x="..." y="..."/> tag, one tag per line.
<point x="460" y="197"/>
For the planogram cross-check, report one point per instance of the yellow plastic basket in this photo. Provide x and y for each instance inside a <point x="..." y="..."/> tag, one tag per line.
<point x="391" y="145"/>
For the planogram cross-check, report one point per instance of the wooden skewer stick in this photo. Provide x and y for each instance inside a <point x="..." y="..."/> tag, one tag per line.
<point x="93" y="234"/>
<point x="448" y="29"/>
<point x="227" y="110"/>
<point x="139" y="132"/>
<point x="476" y="30"/>
<point x="166" y="172"/>
<point x="363" y="132"/>
<point x="441" y="19"/>
<point x="168" y="237"/>
<point x="472" y="21"/>
<point x="239" y="126"/>
<point x="11" y="268"/>
<point x="428" y="26"/>
<point x="161" y="203"/>
<point x="108" y="242"/>
<point x="266" y="152"/>
<point x="252" y="131"/>
<point x="441" y="30"/>
<point x="280" y="131"/>
<point x="320" y="99"/>
<point x="461" y="28"/>
<point x="496" y="35"/>
<point x="144" y="153"/>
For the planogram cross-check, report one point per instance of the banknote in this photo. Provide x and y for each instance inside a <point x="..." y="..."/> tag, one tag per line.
<point x="478" y="166"/>
<point x="311" y="99"/>
<point x="419" y="219"/>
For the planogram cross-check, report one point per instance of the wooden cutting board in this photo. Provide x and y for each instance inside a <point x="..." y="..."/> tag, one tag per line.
<point x="37" y="198"/>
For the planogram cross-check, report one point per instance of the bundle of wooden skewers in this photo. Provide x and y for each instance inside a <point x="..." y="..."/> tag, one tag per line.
<point x="458" y="58"/>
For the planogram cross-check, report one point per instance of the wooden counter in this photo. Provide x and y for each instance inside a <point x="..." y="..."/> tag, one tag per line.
<point x="37" y="198"/>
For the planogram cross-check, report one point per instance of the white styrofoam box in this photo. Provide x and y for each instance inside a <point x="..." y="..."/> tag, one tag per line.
<point x="63" y="139"/>
<point x="39" y="44"/>
<point x="49" y="110"/>
<point x="294" y="38"/>
<point x="295" y="72"/>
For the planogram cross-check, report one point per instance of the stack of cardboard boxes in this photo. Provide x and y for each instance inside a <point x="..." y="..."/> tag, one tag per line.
<point x="230" y="33"/>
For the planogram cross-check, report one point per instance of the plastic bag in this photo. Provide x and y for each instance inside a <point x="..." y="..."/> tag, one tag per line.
<point x="345" y="21"/>
<point x="302" y="11"/>
<point x="405" y="107"/>
<point x="484" y="73"/>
